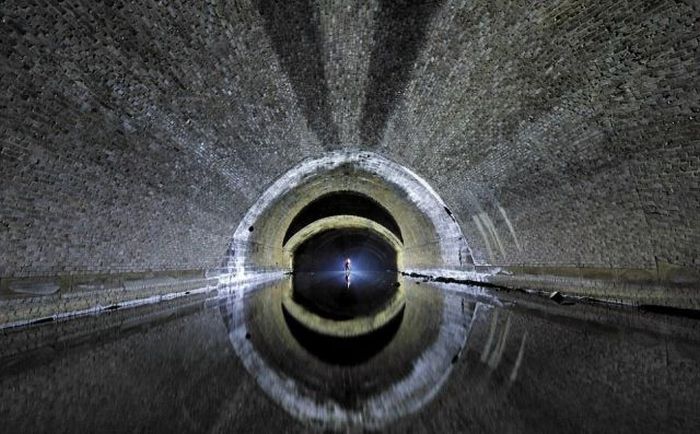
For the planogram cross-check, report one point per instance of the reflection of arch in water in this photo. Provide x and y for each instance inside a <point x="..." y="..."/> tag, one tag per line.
<point x="343" y="351"/>
<point x="410" y="392"/>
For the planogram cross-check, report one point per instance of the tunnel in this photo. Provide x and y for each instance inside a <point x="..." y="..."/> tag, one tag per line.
<point x="334" y="216"/>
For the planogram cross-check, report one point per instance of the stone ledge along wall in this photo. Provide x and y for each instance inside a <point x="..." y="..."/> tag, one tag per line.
<point x="563" y="135"/>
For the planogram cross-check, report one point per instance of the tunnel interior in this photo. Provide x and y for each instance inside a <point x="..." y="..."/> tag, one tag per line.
<point x="515" y="183"/>
<point x="323" y="284"/>
<point x="348" y="191"/>
<point x="328" y="250"/>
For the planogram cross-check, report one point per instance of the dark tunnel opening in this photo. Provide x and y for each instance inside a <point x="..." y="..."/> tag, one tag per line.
<point x="323" y="285"/>
<point x="327" y="251"/>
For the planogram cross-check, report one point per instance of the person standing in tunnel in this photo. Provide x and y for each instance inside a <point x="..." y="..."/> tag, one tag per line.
<point x="348" y="265"/>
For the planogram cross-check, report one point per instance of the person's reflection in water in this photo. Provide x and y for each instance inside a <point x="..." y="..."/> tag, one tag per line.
<point x="348" y="265"/>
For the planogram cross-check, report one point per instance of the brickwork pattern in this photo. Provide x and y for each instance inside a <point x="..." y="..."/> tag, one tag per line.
<point x="568" y="129"/>
<point x="134" y="136"/>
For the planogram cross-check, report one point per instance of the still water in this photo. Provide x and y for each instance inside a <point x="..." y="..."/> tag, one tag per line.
<point x="457" y="359"/>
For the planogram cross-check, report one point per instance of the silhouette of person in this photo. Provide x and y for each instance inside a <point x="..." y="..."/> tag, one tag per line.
<point x="348" y="265"/>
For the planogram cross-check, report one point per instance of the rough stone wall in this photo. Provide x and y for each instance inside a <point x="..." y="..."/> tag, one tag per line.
<point x="567" y="129"/>
<point x="134" y="136"/>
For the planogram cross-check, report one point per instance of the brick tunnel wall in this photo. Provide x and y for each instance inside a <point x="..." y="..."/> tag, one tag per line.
<point x="573" y="122"/>
<point x="134" y="136"/>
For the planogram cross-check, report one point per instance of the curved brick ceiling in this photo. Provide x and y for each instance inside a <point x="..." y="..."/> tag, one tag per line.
<point x="135" y="135"/>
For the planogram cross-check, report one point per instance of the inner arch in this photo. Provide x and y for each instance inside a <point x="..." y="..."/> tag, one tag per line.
<point x="326" y="251"/>
<point x="343" y="203"/>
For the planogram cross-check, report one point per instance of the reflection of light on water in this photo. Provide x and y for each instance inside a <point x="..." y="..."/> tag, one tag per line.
<point x="356" y="277"/>
<point x="519" y="359"/>
<point x="408" y="394"/>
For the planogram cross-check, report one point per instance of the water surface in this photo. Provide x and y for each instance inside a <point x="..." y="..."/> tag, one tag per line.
<point x="461" y="360"/>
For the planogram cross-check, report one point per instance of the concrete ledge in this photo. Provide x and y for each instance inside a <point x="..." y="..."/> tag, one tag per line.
<point x="25" y="301"/>
<point x="621" y="286"/>
<point x="64" y="297"/>
<point x="665" y="286"/>
<point x="78" y="283"/>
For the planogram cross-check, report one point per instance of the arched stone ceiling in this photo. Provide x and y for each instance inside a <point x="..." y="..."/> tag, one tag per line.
<point x="135" y="135"/>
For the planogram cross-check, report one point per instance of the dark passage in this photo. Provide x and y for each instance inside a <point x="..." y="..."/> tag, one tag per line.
<point x="328" y="250"/>
<point x="322" y="285"/>
<point x="400" y="216"/>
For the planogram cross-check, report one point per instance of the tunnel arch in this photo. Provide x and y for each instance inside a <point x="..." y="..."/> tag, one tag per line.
<point x="349" y="203"/>
<point x="431" y="236"/>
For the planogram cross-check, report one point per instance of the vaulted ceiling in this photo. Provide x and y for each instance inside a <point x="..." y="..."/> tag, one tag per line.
<point x="135" y="135"/>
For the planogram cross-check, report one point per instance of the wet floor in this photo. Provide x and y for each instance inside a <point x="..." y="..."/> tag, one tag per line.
<point x="459" y="359"/>
<point x="337" y="295"/>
